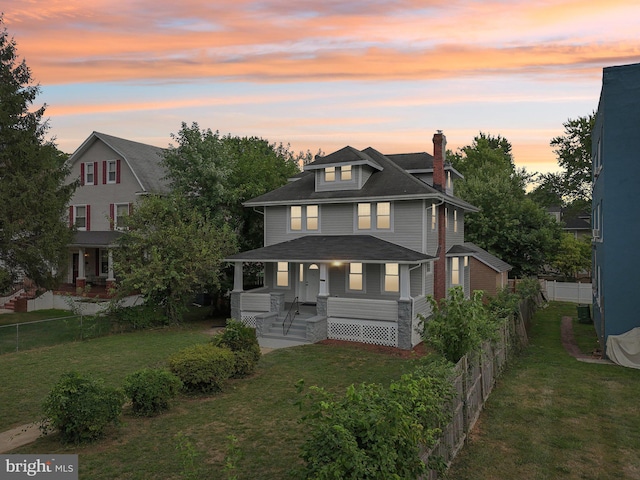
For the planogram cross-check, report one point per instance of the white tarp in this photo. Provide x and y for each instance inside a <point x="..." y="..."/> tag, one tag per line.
<point x="624" y="349"/>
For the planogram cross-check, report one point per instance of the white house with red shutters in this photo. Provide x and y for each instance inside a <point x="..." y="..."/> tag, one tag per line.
<point x="113" y="174"/>
<point x="354" y="245"/>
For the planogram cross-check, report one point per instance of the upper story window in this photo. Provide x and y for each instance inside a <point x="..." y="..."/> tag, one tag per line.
<point x="282" y="274"/>
<point x="304" y="218"/>
<point x="455" y="220"/>
<point x="356" y="277"/>
<point x="330" y="174"/>
<point x="88" y="173"/>
<point x="79" y="217"/>
<point x="391" y="277"/>
<point x="119" y="213"/>
<point x="455" y="271"/>
<point x="434" y="216"/>
<point x="345" y="172"/>
<point x="449" y="184"/>
<point x="374" y="216"/>
<point x="111" y="171"/>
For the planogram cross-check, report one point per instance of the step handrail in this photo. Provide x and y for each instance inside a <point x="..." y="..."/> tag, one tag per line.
<point x="290" y="316"/>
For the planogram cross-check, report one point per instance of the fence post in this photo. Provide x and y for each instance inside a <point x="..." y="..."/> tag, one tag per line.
<point x="17" y="336"/>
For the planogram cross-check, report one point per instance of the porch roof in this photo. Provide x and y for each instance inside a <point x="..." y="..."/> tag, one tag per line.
<point x="333" y="248"/>
<point x="95" y="239"/>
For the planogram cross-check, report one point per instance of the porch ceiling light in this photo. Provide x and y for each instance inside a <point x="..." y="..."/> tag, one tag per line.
<point x="336" y="263"/>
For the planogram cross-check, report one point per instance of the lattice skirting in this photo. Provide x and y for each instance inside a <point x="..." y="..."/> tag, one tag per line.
<point x="249" y="318"/>
<point x="363" y="331"/>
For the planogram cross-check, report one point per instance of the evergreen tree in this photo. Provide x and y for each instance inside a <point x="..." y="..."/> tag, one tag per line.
<point x="33" y="192"/>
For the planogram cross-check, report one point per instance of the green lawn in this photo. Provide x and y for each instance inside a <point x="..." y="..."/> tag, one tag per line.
<point x="260" y="411"/>
<point x="554" y="417"/>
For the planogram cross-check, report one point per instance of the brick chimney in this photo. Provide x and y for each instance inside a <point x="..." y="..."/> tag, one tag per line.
<point x="439" y="145"/>
<point x="440" y="271"/>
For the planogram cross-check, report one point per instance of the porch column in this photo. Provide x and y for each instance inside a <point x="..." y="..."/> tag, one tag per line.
<point x="237" y="277"/>
<point x="111" y="279"/>
<point x="324" y="280"/>
<point x="81" y="280"/>
<point x="405" y="282"/>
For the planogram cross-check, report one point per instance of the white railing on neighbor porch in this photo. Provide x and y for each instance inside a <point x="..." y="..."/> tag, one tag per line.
<point x="568" y="291"/>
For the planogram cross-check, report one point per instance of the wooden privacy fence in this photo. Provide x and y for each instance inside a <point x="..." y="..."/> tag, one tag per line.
<point x="474" y="379"/>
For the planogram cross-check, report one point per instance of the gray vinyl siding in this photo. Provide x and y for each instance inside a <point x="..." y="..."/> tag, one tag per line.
<point x="276" y="220"/>
<point x="337" y="218"/>
<point x="100" y="196"/>
<point x="455" y="238"/>
<point x="428" y="280"/>
<point x="416" y="280"/>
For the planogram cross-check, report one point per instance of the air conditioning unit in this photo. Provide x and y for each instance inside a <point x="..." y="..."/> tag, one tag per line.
<point x="595" y="233"/>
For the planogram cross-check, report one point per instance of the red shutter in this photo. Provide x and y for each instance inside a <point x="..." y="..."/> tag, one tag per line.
<point x="82" y="174"/>
<point x="95" y="173"/>
<point x="71" y="216"/>
<point x="118" y="171"/>
<point x="112" y="220"/>
<point x="104" y="172"/>
<point x="88" y="213"/>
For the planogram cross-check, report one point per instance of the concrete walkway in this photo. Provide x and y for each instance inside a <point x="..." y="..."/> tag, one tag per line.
<point x="19" y="436"/>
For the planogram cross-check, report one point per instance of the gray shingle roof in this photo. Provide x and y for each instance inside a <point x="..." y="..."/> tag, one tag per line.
<point x="324" y="248"/>
<point x="390" y="182"/>
<point x="144" y="160"/>
<point x="487" y="258"/>
<point x="95" y="239"/>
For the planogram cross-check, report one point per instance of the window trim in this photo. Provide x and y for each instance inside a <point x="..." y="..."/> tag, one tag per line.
<point x="303" y="218"/>
<point x="373" y="217"/>
<point x="86" y="217"/>
<point x="459" y="271"/>
<point x="115" y="215"/>
<point x="286" y="272"/>
<point x="330" y="174"/>
<point x="343" y="171"/>
<point x="386" y="276"/>
<point x="360" y="274"/>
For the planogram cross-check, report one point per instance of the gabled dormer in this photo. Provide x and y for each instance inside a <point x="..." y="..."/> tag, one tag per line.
<point x="346" y="169"/>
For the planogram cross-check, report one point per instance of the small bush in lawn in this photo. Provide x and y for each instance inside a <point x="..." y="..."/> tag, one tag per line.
<point x="81" y="408"/>
<point x="138" y="317"/>
<point x="203" y="368"/>
<point x="242" y="341"/>
<point x="151" y="390"/>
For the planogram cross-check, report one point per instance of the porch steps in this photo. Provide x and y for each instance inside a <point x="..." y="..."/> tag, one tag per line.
<point x="11" y="304"/>
<point x="297" y="331"/>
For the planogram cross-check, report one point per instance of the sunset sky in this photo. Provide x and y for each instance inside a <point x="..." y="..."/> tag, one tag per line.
<point x="322" y="74"/>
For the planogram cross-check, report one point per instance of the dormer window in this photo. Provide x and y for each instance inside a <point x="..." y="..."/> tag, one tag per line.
<point x="330" y="174"/>
<point x="345" y="172"/>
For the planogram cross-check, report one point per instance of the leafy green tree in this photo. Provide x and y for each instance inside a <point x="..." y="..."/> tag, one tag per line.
<point x="508" y="225"/>
<point x="573" y="256"/>
<point x="219" y="173"/>
<point x="550" y="190"/>
<point x="170" y="252"/>
<point x="574" y="157"/>
<point x="33" y="192"/>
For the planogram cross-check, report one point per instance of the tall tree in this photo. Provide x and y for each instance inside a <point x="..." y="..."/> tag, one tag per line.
<point x="509" y="225"/>
<point x="170" y="252"/>
<point x="574" y="157"/>
<point x="33" y="192"/>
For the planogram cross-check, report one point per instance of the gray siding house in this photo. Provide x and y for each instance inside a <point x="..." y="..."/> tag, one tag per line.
<point x="113" y="174"/>
<point x="353" y="246"/>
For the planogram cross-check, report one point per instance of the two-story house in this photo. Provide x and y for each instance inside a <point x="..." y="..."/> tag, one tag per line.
<point x="616" y="175"/>
<point x="113" y="174"/>
<point x="360" y="239"/>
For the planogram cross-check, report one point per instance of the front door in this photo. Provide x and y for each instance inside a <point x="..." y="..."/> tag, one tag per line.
<point x="311" y="283"/>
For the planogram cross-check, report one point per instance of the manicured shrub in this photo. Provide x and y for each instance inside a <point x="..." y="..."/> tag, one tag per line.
<point x="203" y="367"/>
<point x="243" y="342"/>
<point x="137" y="317"/>
<point x="81" y="408"/>
<point x="151" y="390"/>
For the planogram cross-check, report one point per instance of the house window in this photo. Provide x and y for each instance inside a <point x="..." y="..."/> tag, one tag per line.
<point x="80" y="217"/>
<point x="381" y="212"/>
<point x="307" y="216"/>
<point x="383" y="215"/>
<point x="282" y="274"/>
<point x="434" y="216"/>
<point x="112" y="171"/>
<point x="455" y="221"/>
<point x="121" y="211"/>
<point x="428" y="270"/>
<point x="330" y="174"/>
<point x="448" y="180"/>
<point x="104" y="262"/>
<point x="355" y="276"/>
<point x="364" y="216"/>
<point x="391" y="277"/>
<point x="312" y="217"/>
<point x="345" y="173"/>
<point x="89" y="174"/>
<point x="455" y="271"/>
<point x="446" y="218"/>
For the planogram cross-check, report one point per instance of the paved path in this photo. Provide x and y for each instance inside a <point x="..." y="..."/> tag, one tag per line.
<point x="18" y="437"/>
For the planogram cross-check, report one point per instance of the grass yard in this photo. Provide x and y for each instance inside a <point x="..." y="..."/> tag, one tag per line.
<point x="554" y="417"/>
<point x="191" y="440"/>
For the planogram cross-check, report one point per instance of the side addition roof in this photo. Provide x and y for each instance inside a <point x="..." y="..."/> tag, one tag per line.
<point x="143" y="160"/>
<point x="488" y="259"/>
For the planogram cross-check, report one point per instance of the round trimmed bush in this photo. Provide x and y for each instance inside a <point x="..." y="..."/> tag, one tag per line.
<point x="203" y="367"/>
<point x="151" y="390"/>
<point x="81" y="408"/>
<point x="243" y="342"/>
